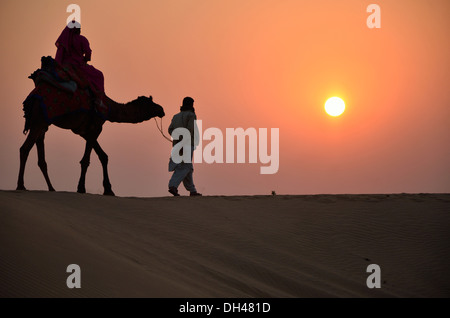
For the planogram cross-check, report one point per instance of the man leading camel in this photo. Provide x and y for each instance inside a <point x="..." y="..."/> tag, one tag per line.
<point x="183" y="171"/>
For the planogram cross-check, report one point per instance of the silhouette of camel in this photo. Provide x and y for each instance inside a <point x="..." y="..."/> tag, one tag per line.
<point x="86" y="124"/>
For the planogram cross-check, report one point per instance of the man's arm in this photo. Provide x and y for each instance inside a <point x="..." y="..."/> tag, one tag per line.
<point x="193" y="129"/>
<point x="59" y="57"/>
<point x="171" y="128"/>
<point x="196" y="134"/>
<point x="86" y="49"/>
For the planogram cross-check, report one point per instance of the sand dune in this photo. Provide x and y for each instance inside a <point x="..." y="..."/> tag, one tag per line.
<point x="255" y="246"/>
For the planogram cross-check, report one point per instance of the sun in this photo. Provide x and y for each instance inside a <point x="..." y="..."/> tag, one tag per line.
<point x="334" y="106"/>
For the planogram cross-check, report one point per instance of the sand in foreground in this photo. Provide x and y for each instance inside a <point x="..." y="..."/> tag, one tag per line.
<point x="255" y="246"/>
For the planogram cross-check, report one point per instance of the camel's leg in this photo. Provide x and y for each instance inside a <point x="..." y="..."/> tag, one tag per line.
<point x="24" y="152"/>
<point x="41" y="160"/>
<point x="104" y="160"/>
<point x="84" y="166"/>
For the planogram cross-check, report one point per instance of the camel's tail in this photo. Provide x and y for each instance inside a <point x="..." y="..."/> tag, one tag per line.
<point x="27" y="109"/>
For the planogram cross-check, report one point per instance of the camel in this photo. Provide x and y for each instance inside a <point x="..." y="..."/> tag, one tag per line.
<point x="86" y="124"/>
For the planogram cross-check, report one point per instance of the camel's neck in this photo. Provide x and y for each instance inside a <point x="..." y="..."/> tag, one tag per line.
<point x="132" y="112"/>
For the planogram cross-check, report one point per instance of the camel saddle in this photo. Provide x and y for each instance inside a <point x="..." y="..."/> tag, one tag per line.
<point x="61" y="90"/>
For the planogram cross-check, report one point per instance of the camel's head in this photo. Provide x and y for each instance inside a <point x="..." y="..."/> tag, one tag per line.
<point x="153" y="109"/>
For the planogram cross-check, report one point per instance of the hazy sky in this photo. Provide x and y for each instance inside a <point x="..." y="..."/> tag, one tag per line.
<point x="248" y="63"/>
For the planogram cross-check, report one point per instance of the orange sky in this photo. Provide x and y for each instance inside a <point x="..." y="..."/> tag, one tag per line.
<point x="248" y="63"/>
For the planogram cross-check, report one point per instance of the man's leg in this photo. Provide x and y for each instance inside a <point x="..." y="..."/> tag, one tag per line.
<point x="188" y="181"/>
<point x="178" y="176"/>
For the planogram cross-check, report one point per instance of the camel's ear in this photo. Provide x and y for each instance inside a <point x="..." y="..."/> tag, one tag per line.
<point x="151" y="98"/>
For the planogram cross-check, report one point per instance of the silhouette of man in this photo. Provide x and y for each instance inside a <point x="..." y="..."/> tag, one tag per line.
<point x="183" y="171"/>
<point x="74" y="49"/>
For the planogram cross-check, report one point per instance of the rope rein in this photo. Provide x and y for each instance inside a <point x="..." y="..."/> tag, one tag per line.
<point x="161" y="129"/>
